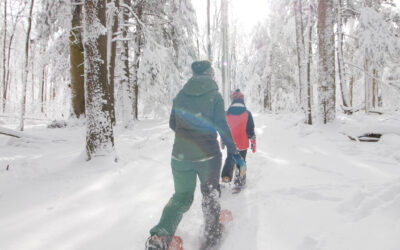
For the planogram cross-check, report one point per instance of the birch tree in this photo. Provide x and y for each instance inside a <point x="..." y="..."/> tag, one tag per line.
<point x="99" y="129"/>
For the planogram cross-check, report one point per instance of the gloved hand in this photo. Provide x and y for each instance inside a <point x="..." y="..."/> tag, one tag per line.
<point x="253" y="144"/>
<point x="241" y="163"/>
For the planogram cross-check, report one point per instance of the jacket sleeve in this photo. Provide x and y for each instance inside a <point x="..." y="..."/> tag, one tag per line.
<point x="172" y="122"/>
<point x="222" y="125"/>
<point x="250" y="126"/>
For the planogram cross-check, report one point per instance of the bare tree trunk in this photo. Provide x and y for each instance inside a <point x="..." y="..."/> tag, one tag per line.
<point x="7" y="80"/>
<point x="268" y="95"/>
<point x="77" y="62"/>
<point x="112" y="56"/>
<point x="341" y="69"/>
<point x="18" y="16"/>
<point x="376" y="97"/>
<point x="26" y="67"/>
<point x="42" y="89"/>
<point x="209" y="53"/>
<point x="367" y="84"/>
<point x="303" y="60"/>
<point x="327" y="88"/>
<point x="351" y="90"/>
<point x="309" y="60"/>
<point x="4" y="87"/>
<point x="43" y="61"/>
<point x="300" y="49"/>
<point x="32" y="71"/>
<point x="128" y="115"/>
<point x="139" y="43"/>
<point x="225" y="58"/>
<point x="99" y="129"/>
<point x="175" y="35"/>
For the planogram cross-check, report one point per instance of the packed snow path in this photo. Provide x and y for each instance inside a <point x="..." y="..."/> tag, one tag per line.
<point x="309" y="188"/>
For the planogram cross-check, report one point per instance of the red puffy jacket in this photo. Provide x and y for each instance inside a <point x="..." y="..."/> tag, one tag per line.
<point x="241" y="123"/>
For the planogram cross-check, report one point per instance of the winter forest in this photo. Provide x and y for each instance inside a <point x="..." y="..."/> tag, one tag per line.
<point x="87" y="88"/>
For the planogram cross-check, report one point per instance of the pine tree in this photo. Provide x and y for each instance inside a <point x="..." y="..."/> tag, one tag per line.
<point x="99" y="129"/>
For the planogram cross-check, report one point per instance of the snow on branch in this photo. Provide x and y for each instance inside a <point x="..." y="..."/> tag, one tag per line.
<point x="143" y="26"/>
<point x="373" y="77"/>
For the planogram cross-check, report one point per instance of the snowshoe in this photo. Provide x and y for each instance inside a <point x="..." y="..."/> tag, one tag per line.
<point x="213" y="243"/>
<point x="161" y="243"/>
<point x="225" y="216"/>
<point x="176" y="243"/>
<point x="156" y="243"/>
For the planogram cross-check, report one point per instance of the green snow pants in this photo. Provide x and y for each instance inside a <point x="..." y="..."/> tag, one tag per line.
<point x="185" y="174"/>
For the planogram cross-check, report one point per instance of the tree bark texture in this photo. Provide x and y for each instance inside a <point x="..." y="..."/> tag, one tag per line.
<point x="139" y="43"/>
<point x="125" y="83"/>
<point x="112" y="57"/>
<point x="327" y="88"/>
<point x="99" y="129"/>
<point x="77" y="67"/>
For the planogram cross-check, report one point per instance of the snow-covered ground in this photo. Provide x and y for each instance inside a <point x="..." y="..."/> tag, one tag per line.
<point x="309" y="188"/>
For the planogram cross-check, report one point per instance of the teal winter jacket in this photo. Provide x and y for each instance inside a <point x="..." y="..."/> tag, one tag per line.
<point x="196" y="117"/>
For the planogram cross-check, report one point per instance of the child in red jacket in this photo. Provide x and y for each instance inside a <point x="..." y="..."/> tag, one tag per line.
<point x="241" y="123"/>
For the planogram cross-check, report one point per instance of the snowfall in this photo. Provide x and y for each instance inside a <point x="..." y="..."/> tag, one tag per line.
<point x="309" y="188"/>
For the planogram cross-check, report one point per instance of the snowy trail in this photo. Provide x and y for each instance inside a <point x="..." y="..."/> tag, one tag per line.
<point x="309" y="188"/>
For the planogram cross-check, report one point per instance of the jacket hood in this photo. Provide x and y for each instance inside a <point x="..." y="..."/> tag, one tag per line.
<point x="237" y="108"/>
<point x="199" y="85"/>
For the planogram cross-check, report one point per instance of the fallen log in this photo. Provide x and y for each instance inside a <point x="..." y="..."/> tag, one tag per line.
<point x="10" y="132"/>
<point x="368" y="137"/>
<point x="28" y="137"/>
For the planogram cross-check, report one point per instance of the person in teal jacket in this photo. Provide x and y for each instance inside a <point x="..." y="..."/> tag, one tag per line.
<point x="197" y="116"/>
